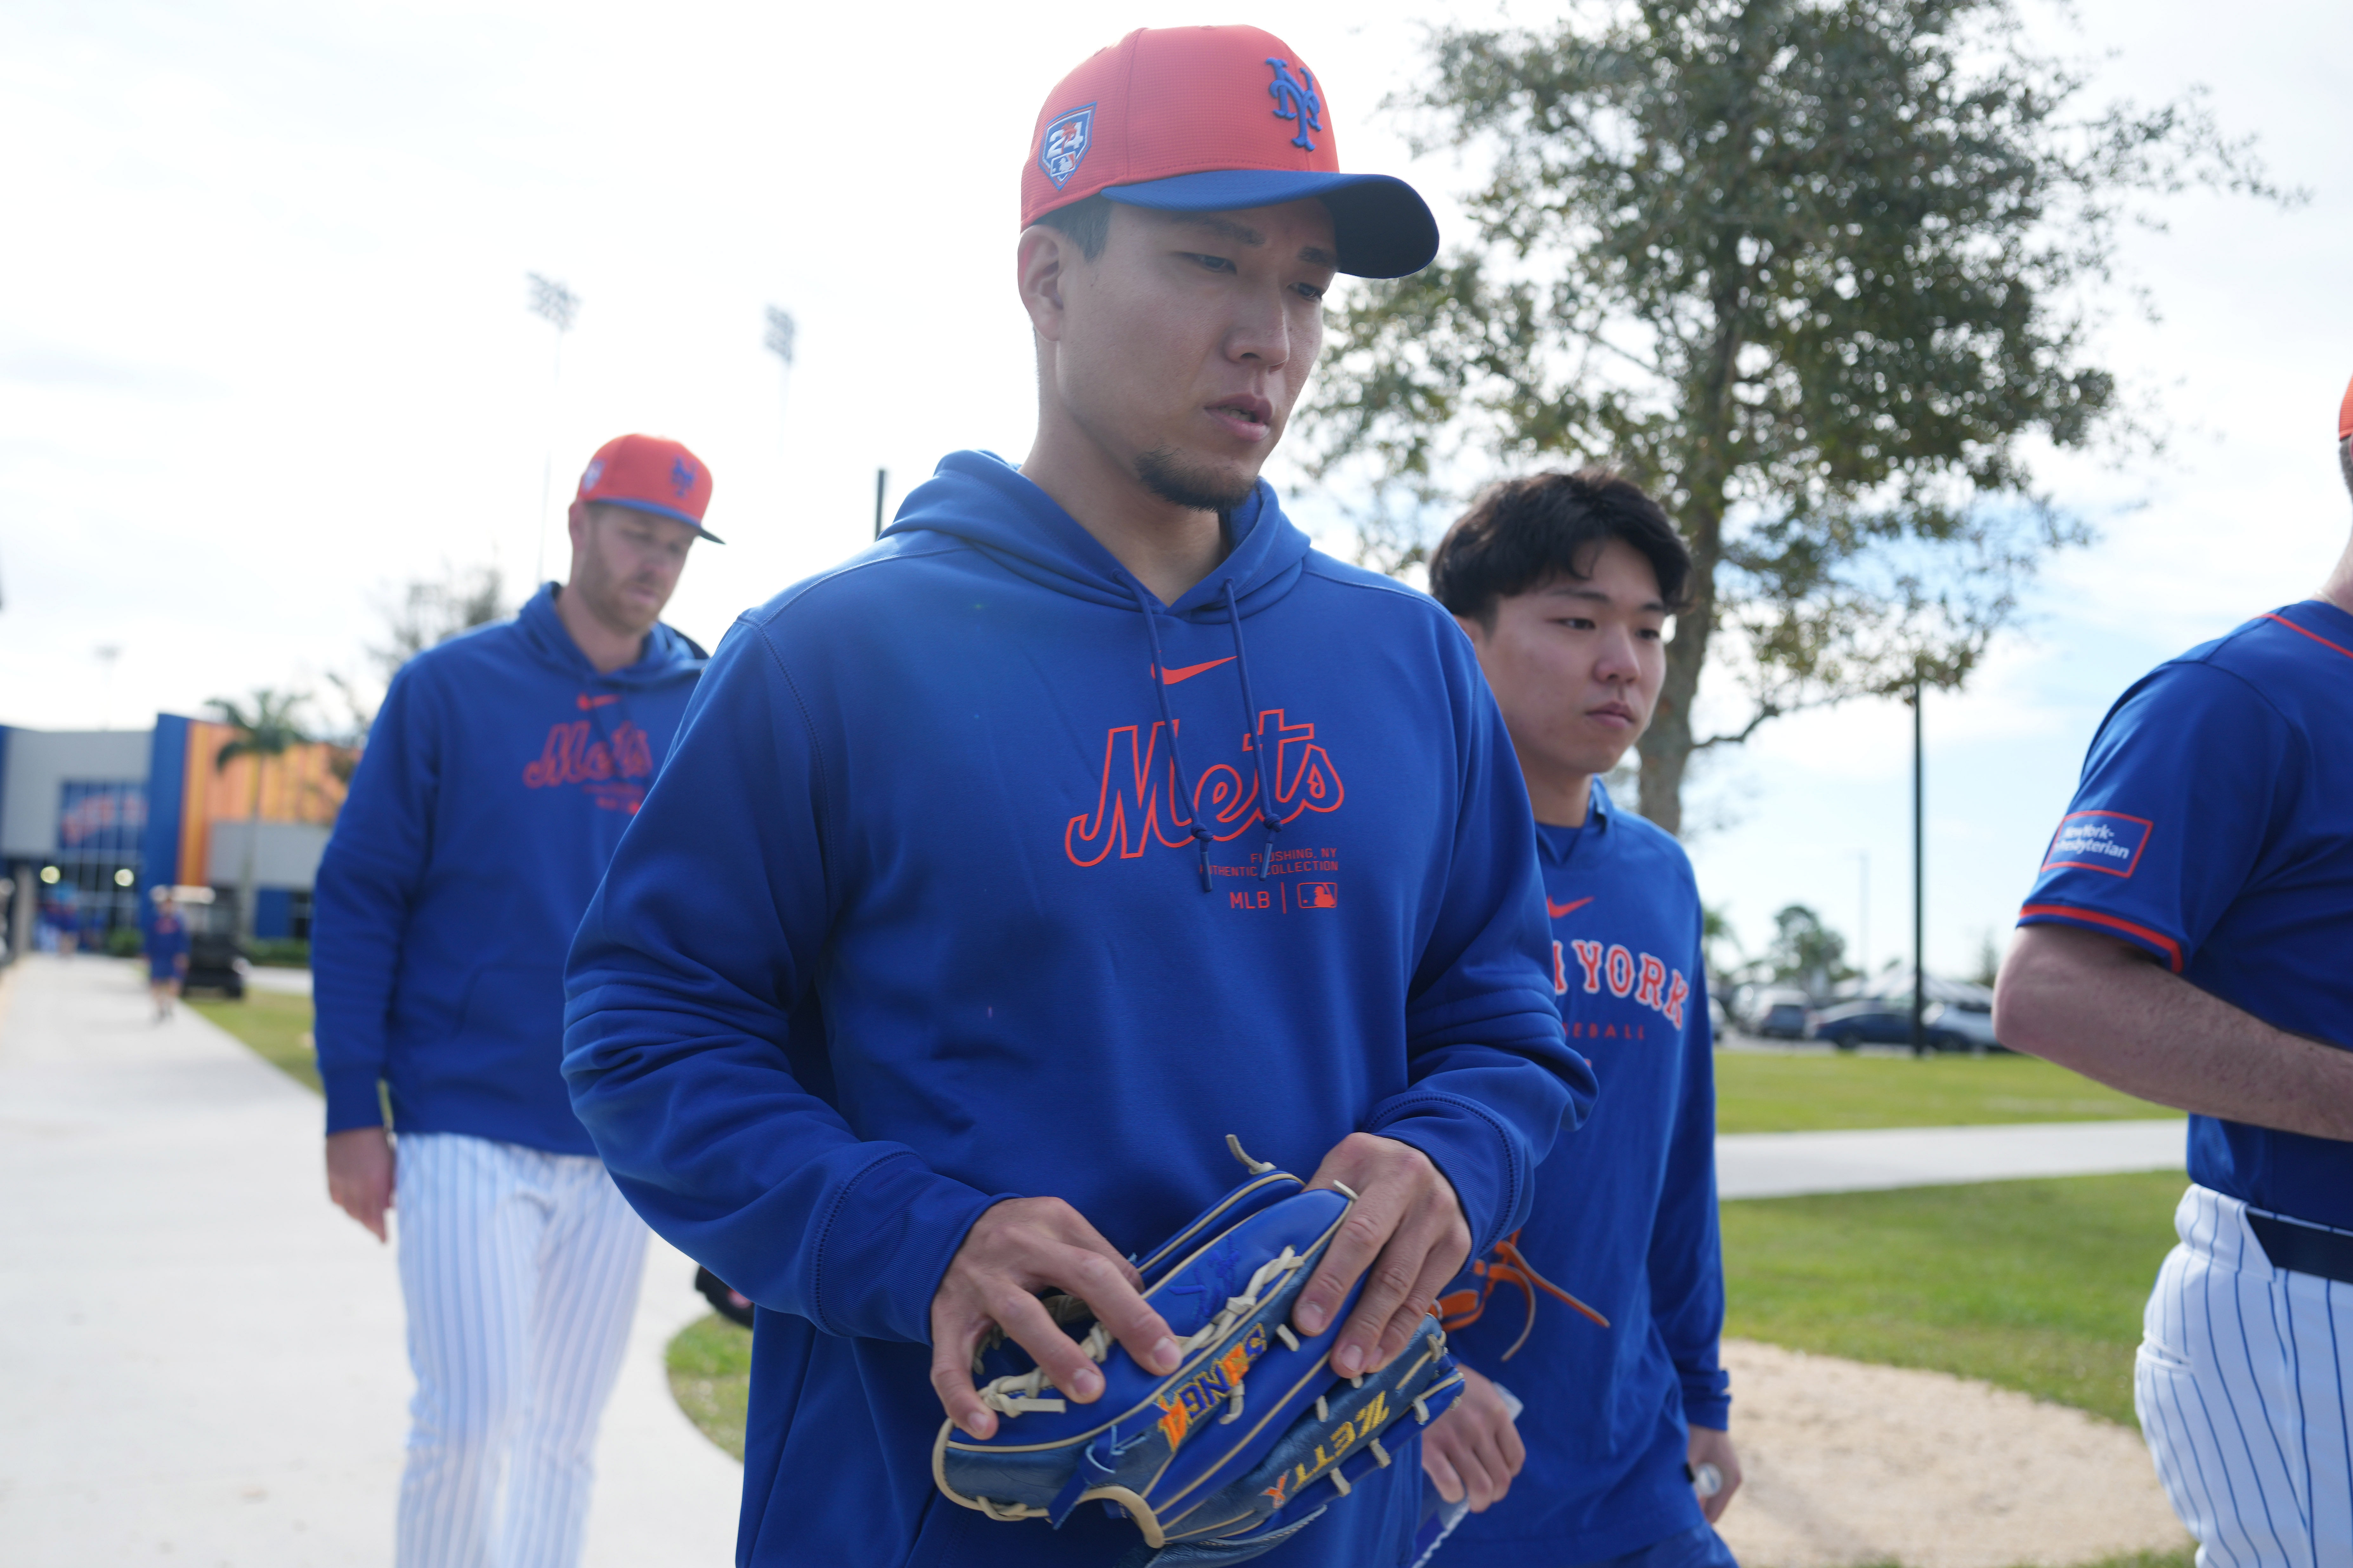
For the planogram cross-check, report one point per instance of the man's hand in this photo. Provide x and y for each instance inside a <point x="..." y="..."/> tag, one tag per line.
<point x="359" y="1175"/>
<point x="1473" y="1449"/>
<point x="1016" y="1250"/>
<point x="1710" y="1446"/>
<point x="1406" y="1236"/>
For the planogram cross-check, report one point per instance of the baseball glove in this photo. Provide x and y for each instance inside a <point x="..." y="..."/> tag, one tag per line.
<point x="1252" y="1436"/>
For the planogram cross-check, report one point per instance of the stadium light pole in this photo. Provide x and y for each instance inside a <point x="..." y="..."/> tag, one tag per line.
<point x="882" y="482"/>
<point x="559" y="307"/>
<point x="1863" y="917"/>
<point x="779" y="339"/>
<point x="1919" y="878"/>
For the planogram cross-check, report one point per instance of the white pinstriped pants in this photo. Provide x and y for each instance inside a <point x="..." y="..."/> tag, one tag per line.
<point x="520" y="1270"/>
<point x="2242" y="1385"/>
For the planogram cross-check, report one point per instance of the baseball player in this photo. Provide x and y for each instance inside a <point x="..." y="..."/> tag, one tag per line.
<point x="497" y="779"/>
<point x="1564" y="583"/>
<point x="2190" y="941"/>
<point x="167" y="952"/>
<point x="1089" y="817"/>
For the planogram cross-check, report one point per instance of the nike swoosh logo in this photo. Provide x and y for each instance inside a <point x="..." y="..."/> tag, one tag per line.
<point x="1556" y="910"/>
<point x="587" y="702"/>
<point x="1171" y="676"/>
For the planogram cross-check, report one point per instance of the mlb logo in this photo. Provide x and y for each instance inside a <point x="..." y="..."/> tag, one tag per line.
<point x="1319" y="895"/>
<point x="1065" y="144"/>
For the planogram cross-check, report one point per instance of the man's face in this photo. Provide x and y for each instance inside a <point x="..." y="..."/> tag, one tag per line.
<point x="626" y="564"/>
<point x="1576" y="665"/>
<point x="1182" y="347"/>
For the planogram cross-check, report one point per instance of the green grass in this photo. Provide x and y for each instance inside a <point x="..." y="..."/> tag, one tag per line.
<point x="1759" y="1091"/>
<point x="277" y="1025"/>
<point x="2035" y="1286"/>
<point x="709" y="1363"/>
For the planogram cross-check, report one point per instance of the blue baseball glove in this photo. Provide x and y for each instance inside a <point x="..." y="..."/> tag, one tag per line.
<point x="1252" y="1436"/>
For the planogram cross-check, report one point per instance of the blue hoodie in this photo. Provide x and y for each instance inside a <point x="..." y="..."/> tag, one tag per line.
<point x="497" y="780"/>
<point x="1625" y="1219"/>
<point x="953" y="891"/>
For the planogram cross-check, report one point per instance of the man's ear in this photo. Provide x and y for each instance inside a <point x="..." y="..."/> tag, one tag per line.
<point x="1044" y="262"/>
<point x="1473" y="628"/>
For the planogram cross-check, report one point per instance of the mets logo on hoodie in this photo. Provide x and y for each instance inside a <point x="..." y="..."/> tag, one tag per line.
<point x="1138" y="802"/>
<point x="607" y="769"/>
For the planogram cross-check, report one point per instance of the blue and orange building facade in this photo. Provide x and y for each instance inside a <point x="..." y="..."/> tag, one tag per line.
<point x="89" y="820"/>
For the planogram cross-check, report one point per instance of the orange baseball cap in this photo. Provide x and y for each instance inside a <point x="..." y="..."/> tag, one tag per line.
<point x="2345" y="414"/>
<point x="649" y="473"/>
<point x="1216" y="120"/>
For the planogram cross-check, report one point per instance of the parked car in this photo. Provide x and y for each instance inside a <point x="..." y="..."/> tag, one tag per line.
<point x="1779" y="1015"/>
<point x="1883" y="1021"/>
<point x="1974" y="1020"/>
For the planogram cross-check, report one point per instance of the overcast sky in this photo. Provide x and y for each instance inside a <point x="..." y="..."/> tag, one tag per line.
<point x="264" y="353"/>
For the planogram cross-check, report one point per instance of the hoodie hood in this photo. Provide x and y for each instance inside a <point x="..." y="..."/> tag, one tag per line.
<point x="983" y="500"/>
<point x="668" y="650"/>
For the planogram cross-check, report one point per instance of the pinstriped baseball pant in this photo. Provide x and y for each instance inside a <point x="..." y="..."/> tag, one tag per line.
<point x="520" y="1270"/>
<point x="2242" y="1385"/>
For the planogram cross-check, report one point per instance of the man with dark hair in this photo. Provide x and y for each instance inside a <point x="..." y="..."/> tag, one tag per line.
<point x="1564" y="583"/>
<point x="1089" y="817"/>
<point x="2189" y="940"/>
<point x="496" y="782"/>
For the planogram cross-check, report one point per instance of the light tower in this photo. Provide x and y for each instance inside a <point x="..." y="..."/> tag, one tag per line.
<point x="559" y="307"/>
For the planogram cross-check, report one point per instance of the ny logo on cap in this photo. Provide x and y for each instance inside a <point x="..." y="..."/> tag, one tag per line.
<point x="681" y="477"/>
<point x="1296" y="102"/>
<point x="1065" y="145"/>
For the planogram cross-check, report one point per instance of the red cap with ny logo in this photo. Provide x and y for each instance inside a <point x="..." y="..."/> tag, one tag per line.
<point x="1216" y="120"/>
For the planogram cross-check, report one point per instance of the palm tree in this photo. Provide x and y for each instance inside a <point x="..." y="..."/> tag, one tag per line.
<point x="269" y="729"/>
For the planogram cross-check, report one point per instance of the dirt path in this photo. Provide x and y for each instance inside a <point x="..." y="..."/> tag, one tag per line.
<point x="1852" y="1463"/>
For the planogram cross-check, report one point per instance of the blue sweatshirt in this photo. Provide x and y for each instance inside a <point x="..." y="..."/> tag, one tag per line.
<point x="1625" y="1219"/>
<point x="918" y="920"/>
<point x="498" y="777"/>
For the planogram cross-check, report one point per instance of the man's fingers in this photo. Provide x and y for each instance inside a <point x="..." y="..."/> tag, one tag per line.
<point x="1028" y="1324"/>
<point x="1108" y="1287"/>
<point x="952" y="1381"/>
<point x="1495" y="1476"/>
<point x="1399" y="1289"/>
<point x="1362" y="1236"/>
<point x="1441" y="1473"/>
<point x="1508" y="1439"/>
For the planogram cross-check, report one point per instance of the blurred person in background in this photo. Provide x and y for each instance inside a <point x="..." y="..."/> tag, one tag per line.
<point x="2189" y="940"/>
<point x="167" y="952"/>
<point x="497" y="781"/>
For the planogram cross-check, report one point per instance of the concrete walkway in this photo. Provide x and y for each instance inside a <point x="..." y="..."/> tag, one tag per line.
<point x="1787" y="1164"/>
<point x="202" y="1361"/>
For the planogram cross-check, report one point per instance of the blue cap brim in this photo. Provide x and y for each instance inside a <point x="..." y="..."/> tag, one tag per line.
<point x="1383" y="226"/>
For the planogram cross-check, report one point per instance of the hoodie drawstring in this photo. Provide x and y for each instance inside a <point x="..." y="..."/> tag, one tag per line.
<point x="1252" y="738"/>
<point x="1175" y="752"/>
<point x="1201" y="836"/>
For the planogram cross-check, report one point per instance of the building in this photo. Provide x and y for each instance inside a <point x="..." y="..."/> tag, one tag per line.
<point x="91" y="819"/>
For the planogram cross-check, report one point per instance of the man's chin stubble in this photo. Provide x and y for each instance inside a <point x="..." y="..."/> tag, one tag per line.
<point x="1168" y="477"/>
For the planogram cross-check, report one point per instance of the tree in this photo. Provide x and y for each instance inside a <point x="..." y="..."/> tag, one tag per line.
<point x="268" y="728"/>
<point x="1806" y="953"/>
<point x="428" y="611"/>
<point x="1814" y="271"/>
<point x="431" y="610"/>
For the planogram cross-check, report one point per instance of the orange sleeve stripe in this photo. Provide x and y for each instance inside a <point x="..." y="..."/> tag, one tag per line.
<point x="2315" y="636"/>
<point x="2158" y="940"/>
